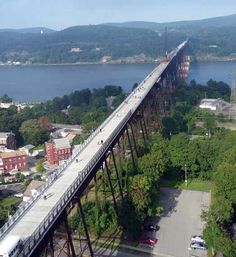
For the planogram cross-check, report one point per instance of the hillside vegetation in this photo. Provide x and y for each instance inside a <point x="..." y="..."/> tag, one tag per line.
<point x="209" y="39"/>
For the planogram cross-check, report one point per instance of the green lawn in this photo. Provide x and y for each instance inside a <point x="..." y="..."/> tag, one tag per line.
<point x="9" y="201"/>
<point x="194" y="184"/>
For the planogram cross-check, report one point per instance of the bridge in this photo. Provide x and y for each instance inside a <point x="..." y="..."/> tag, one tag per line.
<point x="35" y="223"/>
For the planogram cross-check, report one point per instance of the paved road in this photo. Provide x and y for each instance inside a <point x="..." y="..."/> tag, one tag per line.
<point x="180" y="220"/>
<point x="11" y="188"/>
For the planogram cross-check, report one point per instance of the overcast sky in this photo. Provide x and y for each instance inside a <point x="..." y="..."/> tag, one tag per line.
<point x="59" y="14"/>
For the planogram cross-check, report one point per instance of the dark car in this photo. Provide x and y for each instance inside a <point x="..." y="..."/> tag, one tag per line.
<point x="148" y="240"/>
<point x="151" y="227"/>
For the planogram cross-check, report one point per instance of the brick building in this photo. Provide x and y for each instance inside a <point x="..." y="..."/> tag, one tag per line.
<point x="15" y="160"/>
<point x="7" y="140"/>
<point x="58" y="150"/>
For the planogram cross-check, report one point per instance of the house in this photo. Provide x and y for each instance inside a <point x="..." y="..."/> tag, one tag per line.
<point x="58" y="150"/>
<point x="15" y="160"/>
<point x="106" y="58"/>
<point x="7" y="140"/>
<point x="28" y="149"/>
<point x="32" y="189"/>
<point x="217" y="105"/>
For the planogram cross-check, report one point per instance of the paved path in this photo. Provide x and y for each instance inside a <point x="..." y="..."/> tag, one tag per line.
<point x="26" y="225"/>
<point x="41" y="208"/>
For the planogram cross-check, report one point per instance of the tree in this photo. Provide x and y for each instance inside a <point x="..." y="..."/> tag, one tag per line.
<point x="178" y="148"/>
<point x="33" y="133"/>
<point x="225" y="180"/>
<point x="140" y="193"/>
<point x="39" y="165"/>
<point x="74" y="115"/>
<point x="19" y="177"/>
<point x="169" y="126"/>
<point x="5" y="99"/>
<point x="44" y="122"/>
<point x="217" y="238"/>
<point x="154" y="164"/>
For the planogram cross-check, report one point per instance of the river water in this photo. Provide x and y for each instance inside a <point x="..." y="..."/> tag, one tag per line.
<point x="39" y="83"/>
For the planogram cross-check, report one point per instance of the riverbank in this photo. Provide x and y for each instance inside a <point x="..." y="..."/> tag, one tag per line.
<point x="126" y="61"/>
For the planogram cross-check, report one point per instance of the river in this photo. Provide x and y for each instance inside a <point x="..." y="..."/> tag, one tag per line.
<point x="40" y="83"/>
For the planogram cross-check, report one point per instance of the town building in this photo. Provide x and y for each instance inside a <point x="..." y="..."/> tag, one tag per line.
<point x="219" y="106"/>
<point x="106" y="58"/>
<point x="28" y="149"/>
<point x="58" y="150"/>
<point x="32" y="189"/>
<point x="7" y="140"/>
<point x="15" y="160"/>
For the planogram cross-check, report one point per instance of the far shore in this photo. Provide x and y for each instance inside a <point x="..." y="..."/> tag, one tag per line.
<point x="118" y="62"/>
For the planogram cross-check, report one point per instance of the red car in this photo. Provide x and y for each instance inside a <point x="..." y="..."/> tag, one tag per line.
<point x="148" y="240"/>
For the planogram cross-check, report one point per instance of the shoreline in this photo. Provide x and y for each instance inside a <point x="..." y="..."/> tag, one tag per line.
<point x="198" y="59"/>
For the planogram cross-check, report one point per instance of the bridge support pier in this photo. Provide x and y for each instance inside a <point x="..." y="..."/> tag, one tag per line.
<point x="111" y="186"/>
<point x="143" y="132"/>
<point x="70" y="245"/>
<point x="85" y="227"/>
<point x="134" y="141"/>
<point x="144" y="124"/>
<point x="117" y="174"/>
<point x="131" y="148"/>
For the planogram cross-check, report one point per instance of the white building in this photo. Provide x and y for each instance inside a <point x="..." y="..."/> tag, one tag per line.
<point x="217" y="105"/>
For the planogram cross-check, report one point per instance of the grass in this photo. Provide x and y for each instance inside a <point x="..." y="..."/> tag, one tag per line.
<point x="193" y="184"/>
<point x="10" y="201"/>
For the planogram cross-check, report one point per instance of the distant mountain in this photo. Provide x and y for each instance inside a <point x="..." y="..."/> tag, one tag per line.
<point x="121" y="42"/>
<point x="35" y="30"/>
<point x="224" y="21"/>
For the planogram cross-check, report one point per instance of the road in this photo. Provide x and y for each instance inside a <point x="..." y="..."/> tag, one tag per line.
<point x="180" y="221"/>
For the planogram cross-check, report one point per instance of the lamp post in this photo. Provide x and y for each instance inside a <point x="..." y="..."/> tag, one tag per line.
<point x="185" y="175"/>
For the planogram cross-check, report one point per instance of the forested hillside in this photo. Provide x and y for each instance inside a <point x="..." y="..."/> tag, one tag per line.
<point x="209" y="39"/>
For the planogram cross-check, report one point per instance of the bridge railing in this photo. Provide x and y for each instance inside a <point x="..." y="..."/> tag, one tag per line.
<point x="12" y="220"/>
<point x="19" y="213"/>
<point x="30" y="243"/>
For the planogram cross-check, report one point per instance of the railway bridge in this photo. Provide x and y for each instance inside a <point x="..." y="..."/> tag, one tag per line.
<point x="39" y="222"/>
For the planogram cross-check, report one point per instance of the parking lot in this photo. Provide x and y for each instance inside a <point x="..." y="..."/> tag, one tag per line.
<point x="180" y="221"/>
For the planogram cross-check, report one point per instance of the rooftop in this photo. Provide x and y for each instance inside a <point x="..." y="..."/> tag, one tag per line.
<point x="28" y="147"/>
<point x="12" y="154"/>
<point x="61" y="143"/>
<point x="5" y="134"/>
<point x="71" y="136"/>
<point x="34" y="184"/>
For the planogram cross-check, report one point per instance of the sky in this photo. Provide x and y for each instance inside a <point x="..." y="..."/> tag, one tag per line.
<point x="60" y="14"/>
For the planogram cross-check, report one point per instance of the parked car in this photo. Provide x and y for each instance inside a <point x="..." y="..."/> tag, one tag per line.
<point x="197" y="239"/>
<point x="151" y="227"/>
<point x="148" y="240"/>
<point x="196" y="245"/>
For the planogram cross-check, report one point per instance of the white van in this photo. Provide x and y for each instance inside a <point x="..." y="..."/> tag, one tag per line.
<point x="10" y="246"/>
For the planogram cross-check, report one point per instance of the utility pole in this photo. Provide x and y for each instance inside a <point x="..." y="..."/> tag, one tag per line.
<point x="185" y="175"/>
<point x="166" y="41"/>
<point x="232" y="111"/>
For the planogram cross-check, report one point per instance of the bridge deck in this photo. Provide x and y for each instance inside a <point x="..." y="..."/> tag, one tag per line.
<point x="29" y="222"/>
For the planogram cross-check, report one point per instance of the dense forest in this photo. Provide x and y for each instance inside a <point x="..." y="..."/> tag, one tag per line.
<point x="208" y="39"/>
